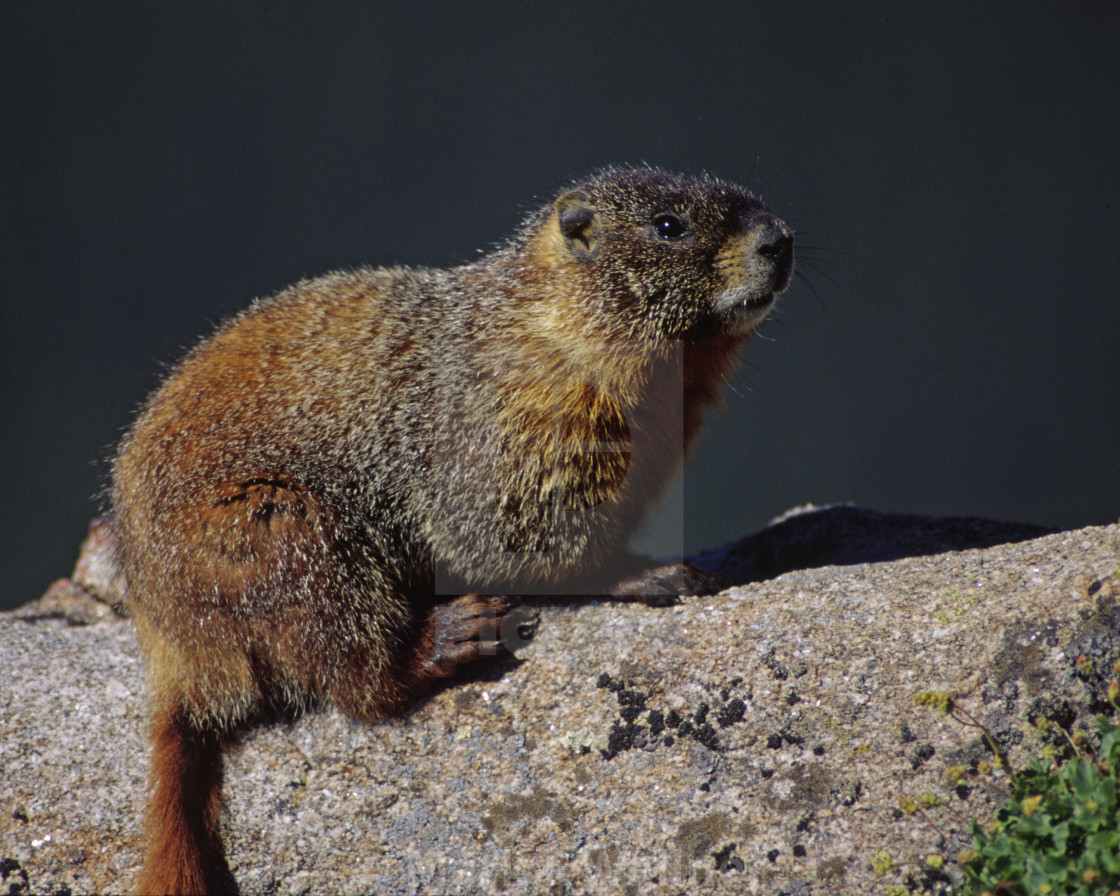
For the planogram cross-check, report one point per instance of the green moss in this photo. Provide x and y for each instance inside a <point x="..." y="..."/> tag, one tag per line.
<point x="955" y="605"/>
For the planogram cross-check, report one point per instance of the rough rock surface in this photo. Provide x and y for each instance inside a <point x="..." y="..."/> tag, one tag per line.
<point x="758" y="741"/>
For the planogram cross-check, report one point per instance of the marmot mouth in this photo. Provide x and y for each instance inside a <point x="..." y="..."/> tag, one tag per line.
<point x="742" y="310"/>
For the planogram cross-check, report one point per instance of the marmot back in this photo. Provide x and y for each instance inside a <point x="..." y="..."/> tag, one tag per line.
<point x="297" y="497"/>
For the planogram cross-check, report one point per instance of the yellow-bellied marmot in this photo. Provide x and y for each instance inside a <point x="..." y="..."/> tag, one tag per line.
<point x="292" y="495"/>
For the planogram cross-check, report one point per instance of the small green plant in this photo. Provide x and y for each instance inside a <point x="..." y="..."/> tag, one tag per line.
<point x="1059" y="832"/>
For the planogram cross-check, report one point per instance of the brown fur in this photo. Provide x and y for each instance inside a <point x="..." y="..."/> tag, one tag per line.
<point x="291" y="498"/>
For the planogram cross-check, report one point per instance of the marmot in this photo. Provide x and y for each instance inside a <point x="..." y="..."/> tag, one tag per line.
<point x="291" y="500"/>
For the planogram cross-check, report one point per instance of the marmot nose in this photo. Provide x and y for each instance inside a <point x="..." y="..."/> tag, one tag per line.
<point x="770" y="239"/>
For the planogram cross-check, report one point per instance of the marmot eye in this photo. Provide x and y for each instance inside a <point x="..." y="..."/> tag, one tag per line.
<point x="669" y="227"/>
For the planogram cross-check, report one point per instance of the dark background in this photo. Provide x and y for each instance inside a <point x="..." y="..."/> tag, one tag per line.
<point x="952" y="345"/>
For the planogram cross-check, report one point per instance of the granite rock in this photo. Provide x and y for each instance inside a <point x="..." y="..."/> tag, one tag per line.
<point x="756" y="741"/>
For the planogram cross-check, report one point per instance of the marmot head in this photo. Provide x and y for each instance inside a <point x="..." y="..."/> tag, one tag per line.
<point x="669" y="256"/>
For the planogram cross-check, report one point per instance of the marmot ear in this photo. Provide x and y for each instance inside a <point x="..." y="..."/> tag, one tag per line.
<point x="579" y="223"/>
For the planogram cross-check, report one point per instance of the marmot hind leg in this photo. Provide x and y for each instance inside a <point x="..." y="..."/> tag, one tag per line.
<point x="459" y="631"/>
<point x="451" y="635"/>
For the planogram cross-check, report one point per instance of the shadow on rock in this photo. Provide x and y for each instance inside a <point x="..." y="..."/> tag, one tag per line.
<point x="843" y="535"/>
